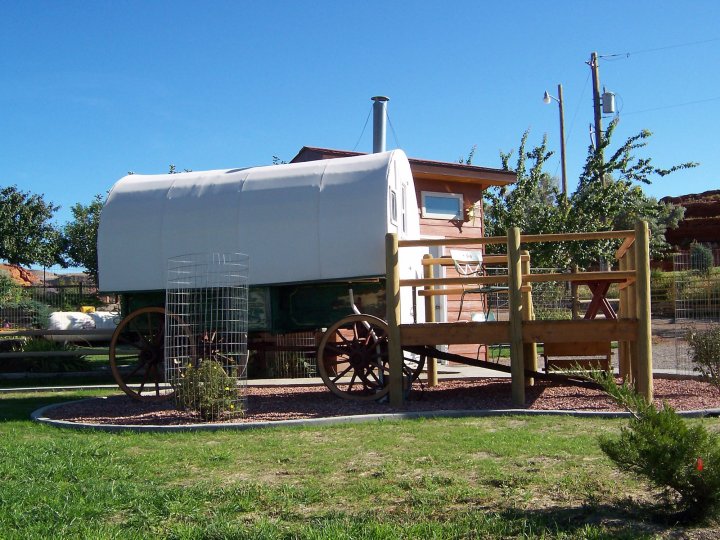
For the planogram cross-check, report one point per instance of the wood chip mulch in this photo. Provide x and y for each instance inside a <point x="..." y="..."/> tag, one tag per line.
<point x="274" y="403"/>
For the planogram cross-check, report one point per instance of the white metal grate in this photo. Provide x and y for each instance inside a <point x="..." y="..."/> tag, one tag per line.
<point x="206" y="332"/>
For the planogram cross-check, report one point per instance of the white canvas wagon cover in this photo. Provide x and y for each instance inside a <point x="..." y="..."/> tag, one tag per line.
<point x="301" y="222"/>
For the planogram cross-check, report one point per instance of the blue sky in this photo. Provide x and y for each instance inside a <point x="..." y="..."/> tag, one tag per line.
<point x="94" y="89"/>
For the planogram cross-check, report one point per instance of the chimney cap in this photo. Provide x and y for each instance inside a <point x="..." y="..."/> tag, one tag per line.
<point x="380" y="98"/>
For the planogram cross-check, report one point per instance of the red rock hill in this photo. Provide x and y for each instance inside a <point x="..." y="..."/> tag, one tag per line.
<point x="701" y="222"/>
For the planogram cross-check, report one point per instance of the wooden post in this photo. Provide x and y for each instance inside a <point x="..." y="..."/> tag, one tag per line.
<point x="392" y="300"/>
<point x="529" y="349"/>
<point x="574" y="294"/>
<point x="432" y="376"/>
<point x="517" y="364"/>
<point x="632" y="351"/>
<point x="644" y="382"/>
<point x="624" y="346"/>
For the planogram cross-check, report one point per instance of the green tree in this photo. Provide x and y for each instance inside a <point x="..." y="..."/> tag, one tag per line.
<point x="27" y="235"/>
<point x="81" y="236"/>
<point x="535" y="205"/>
<point x="618" y="202"/>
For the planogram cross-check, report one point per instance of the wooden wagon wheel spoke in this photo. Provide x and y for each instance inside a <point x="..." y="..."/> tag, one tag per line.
<point x="352" y="381"/>
<point x="338" y="349"/>
<point x="343" y="373"/>
<point x="353" y="359"/>
<point x="350" y="355"/>
<point x="137" y="368"/>
<point x="372" y="374"/>
<point x="143" y="332"/>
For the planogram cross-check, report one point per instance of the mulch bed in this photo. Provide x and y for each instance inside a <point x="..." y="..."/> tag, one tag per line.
<point x="274" y="403"/>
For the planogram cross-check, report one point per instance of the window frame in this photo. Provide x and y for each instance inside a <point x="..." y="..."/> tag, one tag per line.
<point x="424" y="195"/>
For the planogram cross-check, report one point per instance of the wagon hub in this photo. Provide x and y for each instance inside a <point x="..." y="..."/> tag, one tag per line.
<point x="151" y="355"/>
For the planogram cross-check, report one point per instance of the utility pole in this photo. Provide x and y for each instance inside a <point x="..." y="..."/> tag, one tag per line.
<point x="547" y="98"/>
<point x="562" y="141"/>
<point x="596" y="106"/>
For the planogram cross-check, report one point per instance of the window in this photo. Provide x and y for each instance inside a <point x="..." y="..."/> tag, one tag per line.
<point x="441" y="205"/>
<point x="393" y="206"/>
<point x="403" y="208"/>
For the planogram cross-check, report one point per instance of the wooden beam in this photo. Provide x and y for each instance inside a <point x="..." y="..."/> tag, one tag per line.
<point x="582" y="330"/>
<point x="529" y="349"/>
<point x="526" y="238"/>
<point x="457" y="333"/>
<point x="515" y="277"/>
<point x="572" y="237"/>
<point x="432" y="375"/>
<point x="453" y="241"/>
<point x="487" y="259"/>
<point x="392" y="300"/>
<point x="632" y="312"/>
<point x="467" y="281"/>
<point x="644" y="335"/>
<point x="616" y="276"/>
<point x="624" y="346"/>
<point x="627" y="244"/>
<point x="494" y="332"/>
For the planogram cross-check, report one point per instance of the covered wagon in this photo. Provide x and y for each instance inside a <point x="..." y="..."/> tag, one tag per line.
<point x="313" y="232"/>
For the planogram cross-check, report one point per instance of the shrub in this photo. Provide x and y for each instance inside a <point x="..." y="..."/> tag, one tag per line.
<point x="10" y="292"/>
<point x="701" y="258"/>
<point x="705" y="350"/>
<point x="207" y="389"/>
<point x="681" y="460"/>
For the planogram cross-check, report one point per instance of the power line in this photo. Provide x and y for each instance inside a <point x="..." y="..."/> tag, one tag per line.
<point x="622" y="56"/>
<point x="674" y="106"/>
<point x="572" y="122"/>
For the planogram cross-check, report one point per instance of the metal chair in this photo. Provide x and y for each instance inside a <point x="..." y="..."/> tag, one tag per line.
<point x="468" y="263"/>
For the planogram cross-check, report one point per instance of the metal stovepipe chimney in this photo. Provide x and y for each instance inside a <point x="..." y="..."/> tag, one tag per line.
<point x="379" y="122"/>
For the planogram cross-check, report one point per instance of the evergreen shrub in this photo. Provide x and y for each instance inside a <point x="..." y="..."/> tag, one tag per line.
<point x="680" y="459"/>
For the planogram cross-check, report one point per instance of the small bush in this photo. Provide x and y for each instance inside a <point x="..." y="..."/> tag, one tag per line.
<point x="681" y="460"/>
<point x="701" y="259"/>
<point x="10" y="292"/>
<point x="705" y="347"/>
<point x="207" y="390"/>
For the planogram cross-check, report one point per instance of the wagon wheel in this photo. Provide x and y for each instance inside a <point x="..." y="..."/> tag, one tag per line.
<point x="137" y="351"/>
<point x="353" y="359"/>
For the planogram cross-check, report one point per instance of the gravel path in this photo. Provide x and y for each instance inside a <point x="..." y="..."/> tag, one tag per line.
<point x="272" y="403"/>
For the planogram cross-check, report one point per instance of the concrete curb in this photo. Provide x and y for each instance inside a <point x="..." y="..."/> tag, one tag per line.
<point x="39" y="416"/>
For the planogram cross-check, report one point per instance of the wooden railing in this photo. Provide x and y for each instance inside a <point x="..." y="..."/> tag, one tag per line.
<point x="634" y="315"/>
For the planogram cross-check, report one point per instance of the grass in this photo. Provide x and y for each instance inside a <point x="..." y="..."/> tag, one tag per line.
<point x="505" y="477"/>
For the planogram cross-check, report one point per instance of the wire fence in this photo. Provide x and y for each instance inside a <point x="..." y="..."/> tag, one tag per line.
<point x="696" y="298"/>
<point x="206" y="323"/>
<point x="30" y="306"/>
<point x="294" y="357"/>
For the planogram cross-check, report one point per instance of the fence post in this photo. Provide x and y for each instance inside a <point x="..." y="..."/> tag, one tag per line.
<point x="644" y="338"/>
<point x="392" y="300"/>
<point x="517" y="363"/>
<point x="624" y="346"/>
<point x="574" y="293"/>
<point x="632" y="352"/>
<point x="529" y="349"/>
<point x="432" y="375"/>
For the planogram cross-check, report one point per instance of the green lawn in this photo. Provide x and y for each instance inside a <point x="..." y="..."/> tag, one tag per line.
<point x="505" y="477"/>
